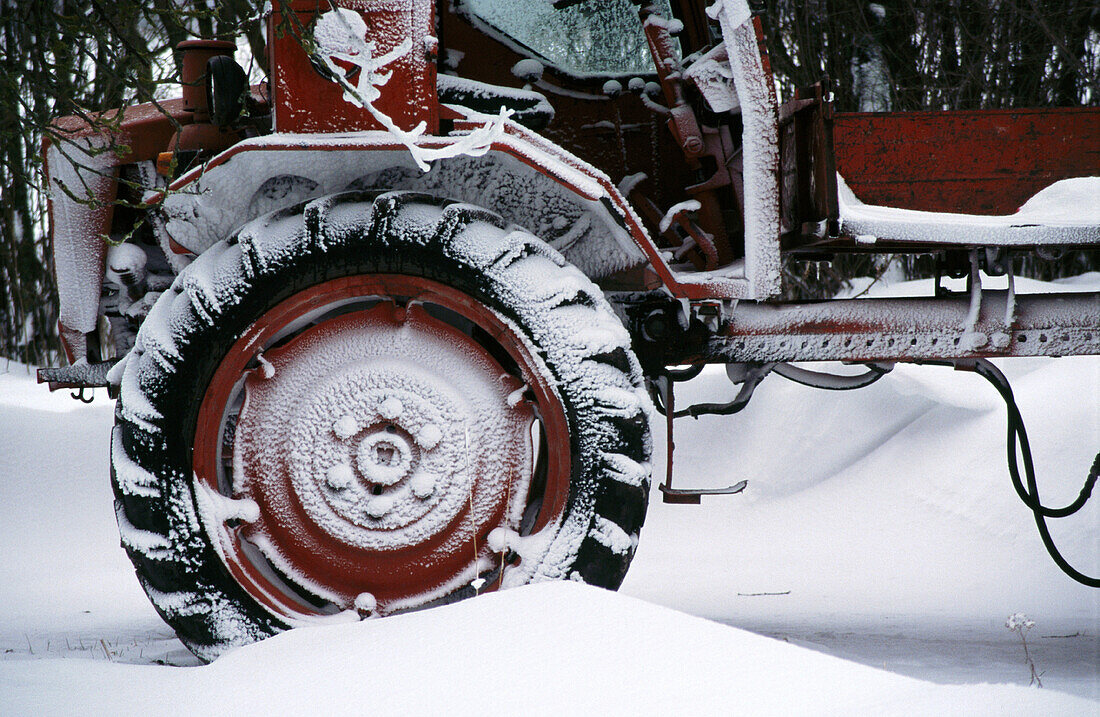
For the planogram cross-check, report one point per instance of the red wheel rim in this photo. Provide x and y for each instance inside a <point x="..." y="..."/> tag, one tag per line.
<point x="333" y="460"/>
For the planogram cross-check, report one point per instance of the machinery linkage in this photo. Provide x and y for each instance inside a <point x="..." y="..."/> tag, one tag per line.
<point x="749" y="375"/>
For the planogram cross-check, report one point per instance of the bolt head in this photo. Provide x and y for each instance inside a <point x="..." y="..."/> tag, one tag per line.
<point x="429" y="436"/>
<point x="339" y="476"/>
<point x="346" y="427"/>
<point x="423" y="485"/>
<point x="693" y="145"/>
<point x="391" y="408"/>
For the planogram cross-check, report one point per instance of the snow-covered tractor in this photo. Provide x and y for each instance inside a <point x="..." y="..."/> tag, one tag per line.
<point x="395" y="322"/>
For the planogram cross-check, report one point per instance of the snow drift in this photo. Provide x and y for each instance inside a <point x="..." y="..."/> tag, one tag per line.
<point x="878" y="525"/>
<point x="553" y="648"/>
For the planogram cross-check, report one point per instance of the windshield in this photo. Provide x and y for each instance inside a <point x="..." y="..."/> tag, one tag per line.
<point x="602" y="37"/>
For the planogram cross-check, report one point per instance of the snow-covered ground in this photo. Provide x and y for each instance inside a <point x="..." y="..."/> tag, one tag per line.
<point x="879" y="527"/>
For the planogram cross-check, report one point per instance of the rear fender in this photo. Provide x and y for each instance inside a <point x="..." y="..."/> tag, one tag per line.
<point x="527" y="179"/>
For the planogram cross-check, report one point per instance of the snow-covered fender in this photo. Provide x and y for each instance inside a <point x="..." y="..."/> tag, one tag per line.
<point x="526" y="178"/>
<point x="82" y="183"/>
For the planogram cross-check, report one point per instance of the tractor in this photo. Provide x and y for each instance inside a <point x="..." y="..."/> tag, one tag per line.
<point x="395" y="323"/>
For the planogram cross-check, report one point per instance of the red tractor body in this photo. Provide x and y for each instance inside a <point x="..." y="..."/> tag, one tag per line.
<point x="394" y="169"/>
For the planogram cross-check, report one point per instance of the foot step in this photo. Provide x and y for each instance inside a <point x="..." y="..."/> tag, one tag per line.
<point x="688" y="496"/>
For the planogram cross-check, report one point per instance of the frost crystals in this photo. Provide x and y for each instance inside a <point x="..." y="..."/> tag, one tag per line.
<point x="340" y="36"/>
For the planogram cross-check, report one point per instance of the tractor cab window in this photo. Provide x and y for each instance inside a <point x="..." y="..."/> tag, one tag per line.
<point x="592" y="37"/>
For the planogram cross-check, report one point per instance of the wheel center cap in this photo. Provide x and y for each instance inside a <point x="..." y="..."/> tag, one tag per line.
<point x="365" y="478"/>
<point x="384" y="458"/>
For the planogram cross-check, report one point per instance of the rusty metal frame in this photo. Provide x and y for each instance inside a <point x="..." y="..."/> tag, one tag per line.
<point x="985" y="324"/>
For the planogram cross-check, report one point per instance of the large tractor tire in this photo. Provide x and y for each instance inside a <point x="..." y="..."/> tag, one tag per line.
<point x="368" y="404"/>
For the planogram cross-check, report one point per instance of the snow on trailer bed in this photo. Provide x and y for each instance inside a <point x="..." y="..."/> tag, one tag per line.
<point x="879" y="526"/>
<point x="1066" y="212"/>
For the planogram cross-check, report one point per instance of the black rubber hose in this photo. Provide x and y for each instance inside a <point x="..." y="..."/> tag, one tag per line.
<point x="1018" y="434"/>
<point x="684" y="374"/>
<point x="831" y="381"/>
<point x="1029" y="494"/>
<point x="702" y="409"/>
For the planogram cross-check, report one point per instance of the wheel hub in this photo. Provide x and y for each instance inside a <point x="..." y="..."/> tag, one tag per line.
<point x="391" y="470"/>
<point x="381" y="448"/>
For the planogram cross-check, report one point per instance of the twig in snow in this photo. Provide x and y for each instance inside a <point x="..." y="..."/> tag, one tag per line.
<point x="785" y="592"/>
<point x="1021" y="623"/>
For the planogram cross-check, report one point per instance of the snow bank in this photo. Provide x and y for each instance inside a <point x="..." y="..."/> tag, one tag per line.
<point x="878" y="524"/>
<point x="554" y="648"/>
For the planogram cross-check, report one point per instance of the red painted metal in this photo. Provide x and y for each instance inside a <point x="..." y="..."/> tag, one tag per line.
<point x="393" y="577"/>
<point x="200" y="133"/>
<point x="145" y="130"/>
<point x="972" y="162"/>
<point x="306" y="102"/>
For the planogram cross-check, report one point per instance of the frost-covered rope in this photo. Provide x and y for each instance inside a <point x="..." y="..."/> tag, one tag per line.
<point x="341" y="34"/>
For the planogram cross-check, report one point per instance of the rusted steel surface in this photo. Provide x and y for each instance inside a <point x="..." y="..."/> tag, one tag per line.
<point x="910" y="329"/>
<point x="306" y="102"/>
<point x="973" y="162"/>
<point x="808" y="191"/>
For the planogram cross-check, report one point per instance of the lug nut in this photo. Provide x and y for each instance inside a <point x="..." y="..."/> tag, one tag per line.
<point x="423" y="485"/>
<point x="339" y="476"/>
<point x="365" y="605"/>
<point x="346" y="427"/>
<point x="516" y="396"/>
<point x="379" y="506"/>
<point x="391" y="408"/>
<point x="267" y="369"/>
<point x="429" y="436"/>
<point x="500" y="539"/>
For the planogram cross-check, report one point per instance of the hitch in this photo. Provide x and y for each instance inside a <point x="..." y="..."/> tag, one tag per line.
<point x="694" y="496"/>
<point x="748" y="376"/>
<point x="80" y="376"/>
